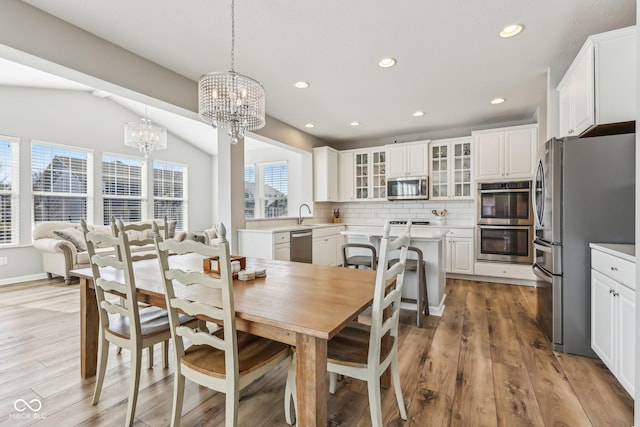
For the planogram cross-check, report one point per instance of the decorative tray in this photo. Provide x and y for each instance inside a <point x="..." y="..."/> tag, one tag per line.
<point x="211" y="265"/>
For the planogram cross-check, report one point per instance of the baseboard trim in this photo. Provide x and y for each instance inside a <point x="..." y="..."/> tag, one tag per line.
<point x="439" y="309"/>
<point x="505" y="280"/>
<point x="20" y="279"/>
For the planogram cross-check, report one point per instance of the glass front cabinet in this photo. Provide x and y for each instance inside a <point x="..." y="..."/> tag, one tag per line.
<point x="370" y="174"/>
<point x="450" y="164"/>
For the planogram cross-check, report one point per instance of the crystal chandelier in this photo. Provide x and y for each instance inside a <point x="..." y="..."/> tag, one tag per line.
<point x="230" y="100"/>
<point x="145" y="136"/>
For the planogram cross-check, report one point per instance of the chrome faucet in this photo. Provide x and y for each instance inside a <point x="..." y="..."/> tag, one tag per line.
<point x="300" y="212"/>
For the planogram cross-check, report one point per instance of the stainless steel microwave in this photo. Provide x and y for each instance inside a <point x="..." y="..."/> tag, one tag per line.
<point x="408" y="188"/>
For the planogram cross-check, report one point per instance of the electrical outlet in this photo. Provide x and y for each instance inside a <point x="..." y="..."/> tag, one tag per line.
<point x="4" y="260"/>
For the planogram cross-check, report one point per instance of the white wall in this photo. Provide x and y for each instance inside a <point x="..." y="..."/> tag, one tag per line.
<point x="637" y="394"/>
<point x="82" y="120"/>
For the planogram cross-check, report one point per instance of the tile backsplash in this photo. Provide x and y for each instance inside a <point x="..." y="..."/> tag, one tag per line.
<point x="459" y="213"/>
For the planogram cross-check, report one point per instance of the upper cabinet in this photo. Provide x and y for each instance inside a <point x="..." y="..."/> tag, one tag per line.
<point x="450" y="162"/>
<point x="407" y="159"/>
<point x="370" y="174"/>
<point x="346" y="185"/>
<point x="599" y="87"/>
<point x="325" y="174"/>
<point x="506" y="153"/>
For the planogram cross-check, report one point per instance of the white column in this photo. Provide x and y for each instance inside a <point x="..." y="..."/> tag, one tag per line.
<point x="230" y="187"/>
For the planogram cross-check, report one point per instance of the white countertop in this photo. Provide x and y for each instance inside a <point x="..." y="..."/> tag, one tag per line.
<point x="627" y="252"/>
<point x="286" y="228"/>
<point x="426" y="233"/>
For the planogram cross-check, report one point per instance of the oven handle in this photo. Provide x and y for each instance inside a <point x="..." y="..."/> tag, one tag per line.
<point x="541" y="246"/>
<point x="501" y="227"/>
<point x="542" y="273"/>
<point x="514" y="190"/>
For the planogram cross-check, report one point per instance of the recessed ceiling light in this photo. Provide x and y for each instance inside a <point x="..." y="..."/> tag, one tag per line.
<point x="355" y="123"/>
<point x="496" y="101"/>
<point x="301" y="85"/>
<point x="309" y="125"/>
<point x="511" y="30"/>
<point x="418" y="114"/>
<point x="387" y="62"/>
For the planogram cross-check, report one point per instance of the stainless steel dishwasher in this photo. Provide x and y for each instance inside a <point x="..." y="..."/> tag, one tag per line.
<point x="301" y="246"/>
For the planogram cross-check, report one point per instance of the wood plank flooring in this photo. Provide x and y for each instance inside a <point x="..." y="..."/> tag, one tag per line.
<point x="485" y="362"/>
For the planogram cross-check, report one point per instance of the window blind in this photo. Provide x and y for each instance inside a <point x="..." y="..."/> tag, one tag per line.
<point x="9" y="190"/>
<point x="169" y="192"/>
<point x="123" y="188"/>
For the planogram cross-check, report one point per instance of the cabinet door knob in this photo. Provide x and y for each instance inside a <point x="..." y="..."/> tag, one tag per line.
<point x="614" y="269"/>
<point x="570" y="131"/>
<point x="615" y="294"/>
<point x="610" y="291"/>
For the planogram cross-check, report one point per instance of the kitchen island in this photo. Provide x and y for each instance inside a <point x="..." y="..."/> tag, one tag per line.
<point x="431" y="241"/>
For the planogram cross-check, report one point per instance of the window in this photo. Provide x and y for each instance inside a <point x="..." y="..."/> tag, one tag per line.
<point x="9" y="218"/>
<point x="62" y="183"/>
<point x="123" y="188"/>
<point x="170" y="192"/>
<point x="266" y="190"/>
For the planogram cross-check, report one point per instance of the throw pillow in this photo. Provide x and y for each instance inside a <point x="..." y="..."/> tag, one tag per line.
<point x="172" y="228"/>
<point x="74" y="236"/>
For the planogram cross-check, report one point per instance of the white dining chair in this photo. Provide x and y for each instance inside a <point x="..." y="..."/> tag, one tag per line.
<point x="357" y="351"/>
<point x="227" y="360"/>
<point x="139" y="236"/>
<point x="134" y="328"/>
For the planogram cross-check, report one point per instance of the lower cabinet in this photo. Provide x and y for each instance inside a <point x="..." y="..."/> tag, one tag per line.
<point x="327" y="242"/>
<point x="264" y="244"/>
<point x="613" y="307"/>
<point x="459" y="251"/>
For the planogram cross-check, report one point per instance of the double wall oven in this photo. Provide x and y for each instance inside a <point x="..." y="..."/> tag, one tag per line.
<point x="505" y="222"/>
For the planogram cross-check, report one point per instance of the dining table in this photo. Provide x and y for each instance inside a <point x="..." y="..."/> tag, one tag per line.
<point x="303" y="305"/>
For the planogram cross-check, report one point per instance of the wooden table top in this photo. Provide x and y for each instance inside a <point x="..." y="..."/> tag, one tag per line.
<point x="311" y="299"/>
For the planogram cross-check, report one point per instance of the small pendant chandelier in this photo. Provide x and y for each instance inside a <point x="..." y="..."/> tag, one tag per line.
<point x="230" y="100"/>
<point x="145" y="136"/>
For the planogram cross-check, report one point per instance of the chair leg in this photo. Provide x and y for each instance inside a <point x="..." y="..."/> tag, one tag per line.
<point x="231" y="408"/>
<point x="150" y="357"/>
<point x="103" y="356"/>
<point x="395" y="374"/>
<point x="333" y="378"/>
<point x="373" y="388"/>
<point x="165" y="354"/>
<point x="136" y="362"/>
<point x="178" y="396"/>
<point x="290" y="395"/>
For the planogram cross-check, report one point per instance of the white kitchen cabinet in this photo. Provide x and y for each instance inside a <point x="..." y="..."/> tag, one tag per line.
<point x="459" y="251"/>
<point x="325" y="245"/>
<point x="613" y="302"/>
<point x="506" y="153"/>
<point x="346" y="184"/>
<point x="450" y="162"/>
<point x="370" y="174"/>
<point x="325" y="174"/>
<point x="264" y="244"/>
<point x="407" y="159"/>
<point x="599" y="86"/>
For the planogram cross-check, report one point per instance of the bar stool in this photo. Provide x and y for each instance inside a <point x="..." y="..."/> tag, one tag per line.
<point x="418" y="265"/>
<point x="358" y="261"/>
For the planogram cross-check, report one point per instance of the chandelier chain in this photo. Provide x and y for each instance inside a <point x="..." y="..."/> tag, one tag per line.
<point x="233" y="34"/>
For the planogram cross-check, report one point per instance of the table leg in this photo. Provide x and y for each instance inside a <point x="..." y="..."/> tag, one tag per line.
<point x="311" y="381"/>
<point x="89" y="326"/>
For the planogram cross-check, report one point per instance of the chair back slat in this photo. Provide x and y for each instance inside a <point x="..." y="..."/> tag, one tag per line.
<point x="387" y="301"/>
<point x="113" y="308"/>
<point x="174" y="279"/>
<point x="121" y="262"/>
<point x="201" y="338"/>
<point x="144" y="237"/>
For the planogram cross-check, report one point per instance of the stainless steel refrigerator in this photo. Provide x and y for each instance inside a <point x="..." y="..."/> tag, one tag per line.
<point x="584" y="192"/>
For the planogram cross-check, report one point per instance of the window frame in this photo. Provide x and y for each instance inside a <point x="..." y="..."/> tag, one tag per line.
<point x="185" y="193"/>
<point x="90" y="185"/>
<point x="143" y="198"/>
<point x="14" y="192"/>
<point x="259" y="194"/>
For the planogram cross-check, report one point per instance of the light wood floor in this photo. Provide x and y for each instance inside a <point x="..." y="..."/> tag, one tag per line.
<point x="484" y="363"/>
